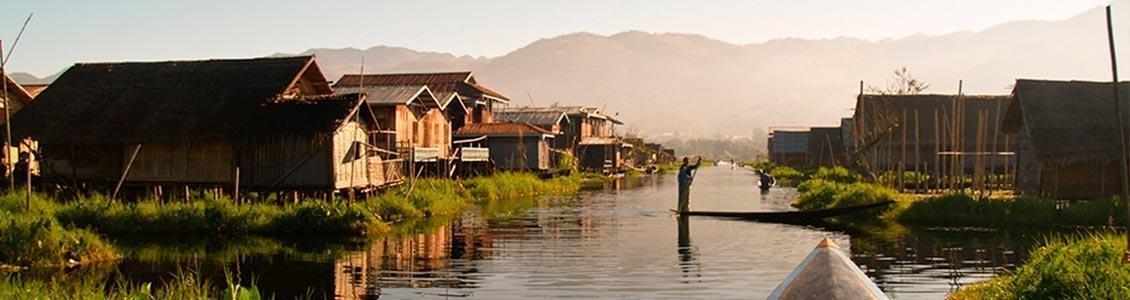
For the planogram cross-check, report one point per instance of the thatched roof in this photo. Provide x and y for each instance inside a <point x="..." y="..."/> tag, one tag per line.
<point x="444" y="85"/>
<point x="153" y="101"/>
<point x="1068" y="121"/>
<point x="875" y="111"/>
<point x="827" y="273"/>
<point x="308" y="115"/>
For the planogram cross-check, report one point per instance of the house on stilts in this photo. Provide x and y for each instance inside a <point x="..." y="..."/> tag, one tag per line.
<point x="264" y="124"/>
<point x="1067" y="138"/>
<point x="949" y="138"/>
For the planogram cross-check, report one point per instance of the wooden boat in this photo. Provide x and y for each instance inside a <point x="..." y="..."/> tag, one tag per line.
<point x="789" y="217"/>
<point x="827" y="273"/>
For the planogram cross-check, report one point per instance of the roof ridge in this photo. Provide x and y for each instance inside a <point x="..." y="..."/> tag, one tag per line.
<point x="307" y="57"/>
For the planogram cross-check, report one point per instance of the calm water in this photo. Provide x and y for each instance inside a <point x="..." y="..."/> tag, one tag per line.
<point x="621" y="242"/>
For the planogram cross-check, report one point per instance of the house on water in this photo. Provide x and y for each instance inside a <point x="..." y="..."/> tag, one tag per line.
<point x="264" y="124"/>
<point x="932" y="134"/>
<point x="513" y="146"/>
<point x="788" y="146"/>
<point x="585" y="132"/>
<point x="825" y="147"/>
<point x="412" y="123"/>
<point x="1067" y="138"/>
<point x="460" y="95"/>
<point x="16" y="98"/>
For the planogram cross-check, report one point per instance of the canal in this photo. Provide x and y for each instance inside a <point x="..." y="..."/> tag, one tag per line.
<point x="617" y="242"/>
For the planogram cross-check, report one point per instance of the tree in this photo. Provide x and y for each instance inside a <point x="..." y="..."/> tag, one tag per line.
<point x="903" y="84"/>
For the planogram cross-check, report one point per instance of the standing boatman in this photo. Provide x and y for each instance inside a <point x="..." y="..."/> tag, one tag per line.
<point x="686" y="176"/>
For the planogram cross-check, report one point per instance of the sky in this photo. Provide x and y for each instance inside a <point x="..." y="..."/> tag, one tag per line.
<point x="62" y="33"/>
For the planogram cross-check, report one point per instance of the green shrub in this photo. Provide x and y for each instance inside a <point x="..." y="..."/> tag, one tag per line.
<point x="962" y="210"/>
<point x="836" y="174"/>
<point x="315" y="217"/>
<point x="1083" y="267"/>
<point x="39" y="240"/>
<point x="822" y="194"/>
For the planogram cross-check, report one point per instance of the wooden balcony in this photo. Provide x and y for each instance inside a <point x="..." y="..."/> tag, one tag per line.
<point x="474" y="154"/>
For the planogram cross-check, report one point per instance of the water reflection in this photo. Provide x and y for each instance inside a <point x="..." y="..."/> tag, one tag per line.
<point x="614" y="241"/>
<point x="687" y="263"/>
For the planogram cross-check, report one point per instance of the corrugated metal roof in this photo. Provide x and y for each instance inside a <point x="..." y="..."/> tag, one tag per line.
<point x="442" y="84"/>
<point x="394" y="94"/>
<point x="501" y="129"/>
<point x="540" y="118"/>
<point x="576" y="111"/>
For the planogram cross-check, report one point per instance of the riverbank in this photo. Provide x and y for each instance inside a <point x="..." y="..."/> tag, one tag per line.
<point x="1079" y="267"/>
<point x="63" y="233"/>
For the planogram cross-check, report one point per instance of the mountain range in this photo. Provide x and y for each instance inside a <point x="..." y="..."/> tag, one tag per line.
<point x="666" y="85"/>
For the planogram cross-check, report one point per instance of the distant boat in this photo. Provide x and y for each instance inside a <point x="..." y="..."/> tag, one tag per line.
<point x="827" y="273"/>
<point x="789" y="217"/>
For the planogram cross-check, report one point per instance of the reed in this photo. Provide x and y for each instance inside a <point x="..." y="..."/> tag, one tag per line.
<point x="184" y="285"/>
<point x="1087" y="266"/>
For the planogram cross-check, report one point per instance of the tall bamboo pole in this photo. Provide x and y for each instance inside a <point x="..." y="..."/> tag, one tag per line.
<point x="917" y="154"/>
<point x="7" y="125"/>
<point x="1124" y="161"/>
<point x="902" y="159"/>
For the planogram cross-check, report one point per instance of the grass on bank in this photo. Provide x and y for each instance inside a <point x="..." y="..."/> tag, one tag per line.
<point x="1081" y="267"/>
<point x="962" y="210"/>
<point x="58" y="233"/>
<point x="837" y="187"/>
<point x="184" y="285"/>
<point x="36" y="238"/>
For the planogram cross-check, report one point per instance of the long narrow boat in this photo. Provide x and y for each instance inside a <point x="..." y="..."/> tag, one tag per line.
<point x="789" y="217"/>
<point x="827" y="273"/>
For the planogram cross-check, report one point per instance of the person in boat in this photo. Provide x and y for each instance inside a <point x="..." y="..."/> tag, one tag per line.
<point x="686" y="176"/>
<point x="767" y="179"/>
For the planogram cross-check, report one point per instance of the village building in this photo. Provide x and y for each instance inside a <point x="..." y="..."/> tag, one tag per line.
<point x="16" y="98"/>
<point x="555" y="121"/>
<point x="941" y="135"/>
<point x="825" y="147"/>
<point x="513" y="146"/>
<point x="576" y="123"/>
<point x="788" y="146"/>
<point x="1067" y="138"/>
<point x="460" y="95"/>
<point x="585" y="132"/>
<point x="265" y="124"/>
<point x="411" y="121"/>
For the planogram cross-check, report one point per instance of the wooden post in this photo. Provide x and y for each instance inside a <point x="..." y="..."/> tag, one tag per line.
<point x="7" y="125"/>
<point x="1124" y="161"/>
<point x="917" y="155"/>
<point x="118" y="187"/>
<point x="937" y="149"/>
<point x="902" y="146"/>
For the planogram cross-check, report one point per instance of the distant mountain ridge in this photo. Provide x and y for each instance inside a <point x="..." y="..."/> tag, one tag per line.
<point x="670" y="85"/>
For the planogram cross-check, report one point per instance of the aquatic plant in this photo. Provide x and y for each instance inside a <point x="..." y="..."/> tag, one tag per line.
<point x="1075" y="267"/>
<point x="822" y="194"/>
<point x="788" y="176"/>
<point x="963" y="210"/>
<point x="184" y="285"/>
<point x="836" y="174"/>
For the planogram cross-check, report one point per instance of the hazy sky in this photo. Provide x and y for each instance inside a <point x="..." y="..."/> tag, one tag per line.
<point x="65" y="32"/>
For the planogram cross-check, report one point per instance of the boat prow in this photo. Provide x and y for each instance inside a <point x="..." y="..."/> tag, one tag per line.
<point x="827" y="273"/>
